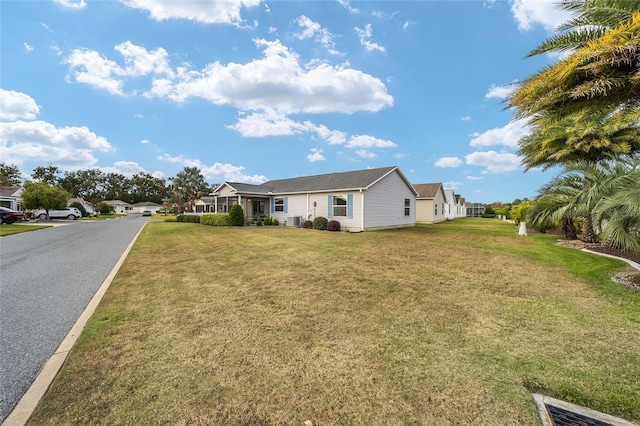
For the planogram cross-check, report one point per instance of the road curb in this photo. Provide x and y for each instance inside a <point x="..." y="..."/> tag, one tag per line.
<point x="29" y="401"/>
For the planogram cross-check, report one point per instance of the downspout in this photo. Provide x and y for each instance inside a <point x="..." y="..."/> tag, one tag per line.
<point x="362" y="210"/>
<point x="307" y="218"/>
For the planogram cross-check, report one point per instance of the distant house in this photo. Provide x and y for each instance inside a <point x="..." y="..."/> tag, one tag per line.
<point x="450" y="197"/>
<point x="11" y="197"/>
<point x="145" y="205"/>
<point x="119" y="206"/>
<point x="360" y="200"/>
<point x="88" y="207"/>
<point x="474" y="209"/>
<point x="205" y="205"/>
<point x="430" y="203"/>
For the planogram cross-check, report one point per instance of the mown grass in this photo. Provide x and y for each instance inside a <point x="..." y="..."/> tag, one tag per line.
<point x="455" y="323"/>
<point x="11" y="229"/>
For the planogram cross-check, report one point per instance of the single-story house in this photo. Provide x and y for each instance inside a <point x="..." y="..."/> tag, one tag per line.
<point x="450" y="211"/>
<point x="88" y="207"/>
<point x="145" y="205"/>
<point x="360" y="200"/>
<point x="430" y="203"/>
<point x="119" y="206"/>
<point x="474" y="209"/>
<point x="11" y="197"/>
<point x="205" y="205"/>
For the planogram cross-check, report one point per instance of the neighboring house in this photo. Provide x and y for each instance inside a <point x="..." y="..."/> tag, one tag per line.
<point x="450" y="204"/>
<point x="463" y="207"/>
<point x="11" y="197"/>
<point x="474" y="209"/>
<point x="205" y="205"/>
<point x="146" y="205"/>
<point x="119" y="206"/>
<point x="430" y="203"/>
<point x="359" y="200"/>
<point x="88" y="207"/>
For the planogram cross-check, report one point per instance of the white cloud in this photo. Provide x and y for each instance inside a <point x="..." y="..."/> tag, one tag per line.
<point x="278" y="81"/>
<point x="475" y="177"/>
<point x="17" y="105"/>
<point x="126" y="168"/>
<point x="508" y="135"/>
<point x="314" y="30"/>
<point x="72" y="4"/>
<point x="346" y="4"/>
<point x="275" y="123"/>
<point x="144" y="141"/>
<point x="499" y="92"/>
<point x="90" y="67"/>
<point x="316" y="155"/>
<point x="217" y="172"/>
<point x="466" y="118"/>
<point x="365" y="39"/>
<point x="448" y="162"/>
<point x="529" y="13"/>
<point x="365" y="141"/>
<point x="28" y="47"/>
<point x="208" y="12"/>
<point x="494" y="162"/>
<point x="363" y="153"/>
<point x="452" y="185"/>
<point x="70" y="147"/>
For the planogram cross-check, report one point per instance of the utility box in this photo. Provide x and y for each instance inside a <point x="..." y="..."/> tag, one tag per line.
<point x="294" y="221"/>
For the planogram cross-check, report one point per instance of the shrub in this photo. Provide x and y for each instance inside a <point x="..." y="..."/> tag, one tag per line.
<point x="333" y="225"/>
<point x="268" y="221"/>
<point x="489" y="216"/>
<point x="320" y="223"/>
<point x="106" y="208"/>
<point x="275" y="222"/>
<point x="188" y="218"/>
<point x="221" y="219"/>
<point x="307" y="224"/>
<point x="79" y="207"/>
<point x="236" y="215"/>
<point x="259" y="222"/>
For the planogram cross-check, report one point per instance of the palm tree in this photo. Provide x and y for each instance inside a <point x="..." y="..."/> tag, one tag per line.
<point x="576" y="192"/>
<point x="584" y="136"/>
<point x="553" y="206"/>
<point x="591" y="19"/>
<point x="619" y="209"/>
<point x="602" y="74"/>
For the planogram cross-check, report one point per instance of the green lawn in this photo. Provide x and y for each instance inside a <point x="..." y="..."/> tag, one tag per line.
<point x="455" y="323"/>
<point x="16" y="228"/>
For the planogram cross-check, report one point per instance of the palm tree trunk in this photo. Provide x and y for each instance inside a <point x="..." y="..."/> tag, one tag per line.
<point x="569" y="229"/>
<point x="588" y="234"/>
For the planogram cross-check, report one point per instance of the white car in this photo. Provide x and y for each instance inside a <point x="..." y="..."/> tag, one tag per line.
<point x="71" y="213"/>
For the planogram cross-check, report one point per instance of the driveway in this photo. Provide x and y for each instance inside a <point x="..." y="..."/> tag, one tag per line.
<point x="47" y="278"/>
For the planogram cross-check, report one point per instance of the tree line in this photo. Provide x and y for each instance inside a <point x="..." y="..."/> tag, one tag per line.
<point x="95" y="186"/>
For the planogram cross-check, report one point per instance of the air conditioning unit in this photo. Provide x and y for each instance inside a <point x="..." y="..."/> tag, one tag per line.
<point x="294" y="221"/>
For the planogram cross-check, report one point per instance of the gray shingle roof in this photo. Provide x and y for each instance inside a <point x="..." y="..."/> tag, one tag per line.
<point x="359" y="179"/>
<point x="333" y="181"/>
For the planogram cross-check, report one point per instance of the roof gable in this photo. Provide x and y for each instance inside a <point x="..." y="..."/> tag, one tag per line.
<point x="428" y="190"/>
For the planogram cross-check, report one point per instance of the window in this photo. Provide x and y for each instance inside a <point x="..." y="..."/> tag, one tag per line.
<point x="339" y="205"/>
<point x="278" y="204"/>
<point x="407" y="207"/>
<point x="436" y="206"/>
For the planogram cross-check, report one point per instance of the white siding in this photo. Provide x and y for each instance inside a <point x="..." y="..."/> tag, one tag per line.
<point x="384" y="204"/>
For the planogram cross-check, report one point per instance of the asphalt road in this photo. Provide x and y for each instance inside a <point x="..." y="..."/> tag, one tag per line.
<point x="47" y="278"/>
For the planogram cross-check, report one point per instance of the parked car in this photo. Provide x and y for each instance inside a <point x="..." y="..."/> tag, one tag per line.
<point x="10" y="216"/>
<point x="71" y="213"/>
<point x="147" y="213"/>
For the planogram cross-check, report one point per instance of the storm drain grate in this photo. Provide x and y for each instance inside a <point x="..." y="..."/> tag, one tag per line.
<point x="555" y="412"/>
<point x="562" y="417"/>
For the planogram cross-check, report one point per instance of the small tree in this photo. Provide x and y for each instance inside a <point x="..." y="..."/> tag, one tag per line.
<point x="40" y="195"/>
<point x="236" y="215"/>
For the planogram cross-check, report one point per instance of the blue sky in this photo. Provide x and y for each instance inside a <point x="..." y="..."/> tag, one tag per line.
<point x="252" y="90"/>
